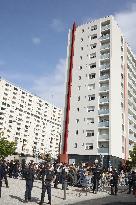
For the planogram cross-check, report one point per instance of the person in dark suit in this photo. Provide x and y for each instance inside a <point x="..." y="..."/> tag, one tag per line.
<point x="29" y="177"/>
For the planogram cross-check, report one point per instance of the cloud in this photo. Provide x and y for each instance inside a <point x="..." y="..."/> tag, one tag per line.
<point x="57" y="25"/>
<point x="51" y="86"/>
<point x="36" y="40"/>
<point x="126" y="21"/>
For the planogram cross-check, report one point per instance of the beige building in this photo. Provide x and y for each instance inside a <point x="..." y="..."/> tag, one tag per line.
<point x="29" y="120"/>
<point x="100" y="103"/>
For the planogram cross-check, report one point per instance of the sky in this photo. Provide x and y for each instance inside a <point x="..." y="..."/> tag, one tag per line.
<point x="33" y="39"/>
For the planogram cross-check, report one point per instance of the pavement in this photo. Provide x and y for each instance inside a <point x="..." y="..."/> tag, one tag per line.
<point x="14" y="195"/>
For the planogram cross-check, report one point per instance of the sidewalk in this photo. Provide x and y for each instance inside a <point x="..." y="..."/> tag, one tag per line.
<point x="14" y="195"/>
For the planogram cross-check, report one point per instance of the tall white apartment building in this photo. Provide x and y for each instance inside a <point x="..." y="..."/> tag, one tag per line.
<point x="100" y="103"/>
<point x="29" y="120"/>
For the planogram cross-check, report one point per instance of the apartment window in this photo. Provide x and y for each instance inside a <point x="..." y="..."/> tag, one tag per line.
<point x="90" y="109"/>
<point x="7" y="84"/>
<point x="92" y="75"/>
<point x="77" y="120"/>
<point x="78" y="98"/>
<point x="92" y="46"/>
<point x="78" y="109"/>
<point x="79" y="87"/>
<point x="79" y="77"/>
<point x="94" y="36"/>
<point x="91" y="86"/>
<point x="94" y="28"/>
<point x="76" y="132"/>
<point x="93" y="65"/>
<point x="83" y="30"/>
<point x="80" y="67"/>
<point x="88" y="146"/>
<point x="90" y="120"/>
<point x="89" y="133"/>
<point x="81" y="48"/>
<point x="15" y="89"/>
<point x="75" y="145"/>
<point x="81" y="39"/>
<point x="93" y="55"/>
<point x="91" y="97"/>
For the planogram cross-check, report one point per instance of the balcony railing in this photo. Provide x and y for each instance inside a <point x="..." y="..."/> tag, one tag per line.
<point x="105" y="66"/>
<point x="105" y="37"/>
<point x="103" y="124"/>
<point x="103" y="150"/>
<point x="103" y="112"/>
<point x="105" y="46"/>
<point x="104" y="100"/>
<point x="106" y="27"/>
<point x="104" y="88"/>
<point x="104" y="77"/>
<point x="132" y="137"/>
<point x="105" y="56"/>
<point x="104" y="137"/>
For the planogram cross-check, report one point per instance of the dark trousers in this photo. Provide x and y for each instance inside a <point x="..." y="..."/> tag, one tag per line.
<point x="6" y="180"/>
<point x="130" y="187"/>
<point x="46" y="186"/>
<point x="29" y="186"/>
<point x="56" y="181"/>
<point x="114" y="188"/>
<point x="0" y="187"/>
<point x="95" y="185"/>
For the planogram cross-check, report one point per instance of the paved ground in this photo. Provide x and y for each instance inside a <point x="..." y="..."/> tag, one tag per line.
<point x="14" y="195"/>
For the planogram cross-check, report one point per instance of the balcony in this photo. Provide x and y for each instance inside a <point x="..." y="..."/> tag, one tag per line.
<point x="104" y="100"/>
<point x="103" y="112"/>
<point x="105" y="47"/>
<point x="103" y="150"/>
<point x="130" y="117"/>
<point x="132" y="138"/>
<point x="104" y="88"/>
<point x="104" y="77"/>
<point x="105" y="56"/>
<point x="106" y="27"/>
<point x="104" y="66"/>
<point x="105" y="37"/>
<point x="104" y="137"/>
<point x="103" y="124"/>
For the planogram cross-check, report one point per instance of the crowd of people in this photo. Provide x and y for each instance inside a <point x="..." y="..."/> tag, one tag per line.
<point x="86" y="176"/>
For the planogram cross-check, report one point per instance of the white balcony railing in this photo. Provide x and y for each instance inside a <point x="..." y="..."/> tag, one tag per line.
<point x="105" y="56"/>
<point x="105" y="46"/>
<point x="104" y="77"/>
<point x="103" y="137"/>
<point x="103" y="124"/>
<point x="104" y="88"/>
<point x="105" y="37"/>
<point x="132" y="137"/>
<point x="103" y="150"/>
<point x="104" y="100"/>
<point x="103" y="112"/>
<point x="104" y="66"/>
<point x="106" y="27"/>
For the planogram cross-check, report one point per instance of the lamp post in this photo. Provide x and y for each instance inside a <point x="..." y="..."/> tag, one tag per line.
<point x="96" y="177"/>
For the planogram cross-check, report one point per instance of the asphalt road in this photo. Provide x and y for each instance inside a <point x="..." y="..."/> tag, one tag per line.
<point x="120" y="199"/>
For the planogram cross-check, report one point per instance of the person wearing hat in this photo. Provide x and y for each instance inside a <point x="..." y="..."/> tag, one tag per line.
<point x="47" y="178"/>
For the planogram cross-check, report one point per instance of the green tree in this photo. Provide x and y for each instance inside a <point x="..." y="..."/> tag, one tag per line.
<point x="133" y="156"/>
<point x="6" y="148"/>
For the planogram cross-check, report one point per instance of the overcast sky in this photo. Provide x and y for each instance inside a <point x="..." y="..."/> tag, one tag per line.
<point x="33" y="39"/>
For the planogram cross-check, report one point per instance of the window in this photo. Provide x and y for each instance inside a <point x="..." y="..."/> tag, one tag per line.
<point x="91" y="97"/>
<point x="93" y="55"/>
<point x="94" y="28"/>
<point x="76" y="132"/>
<point x="79" y="77"/>
<point x="75" y="145"/>
<point x="79" y="87"/>
<point x="15" y="89"/>
<point x="77" y="120"/>
<point x="89" y="133"/>
<point x="81" y="48"/>
<point x="90" y="120"/>
<point x="94" y="36"/>
<point x="92" y="75"/>
<point x="92" y="46"/>
<point x="83" y="30"/>
<point x="89" y="146"/>
<point x="91" y="86"/>
<point x="93" y="65"/>
<point x="81" y="39"/>
<point x="78" y="109"/>
<point x="90" y="108"/>
<point x="78" y="98"/>
<point x="80" y="67"/>
<point x="81" y="57"/>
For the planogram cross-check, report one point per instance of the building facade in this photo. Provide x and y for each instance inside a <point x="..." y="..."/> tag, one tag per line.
<point x="33" y="123"/>
<point x="100" y="101"/>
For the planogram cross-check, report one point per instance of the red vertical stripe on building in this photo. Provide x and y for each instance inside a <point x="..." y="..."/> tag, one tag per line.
<point x="69" y="90"/>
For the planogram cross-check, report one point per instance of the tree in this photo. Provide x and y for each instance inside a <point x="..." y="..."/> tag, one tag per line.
<point x="6" y="148"/>
<point x="46" y="156"/>
<point x="133" y="156"/>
